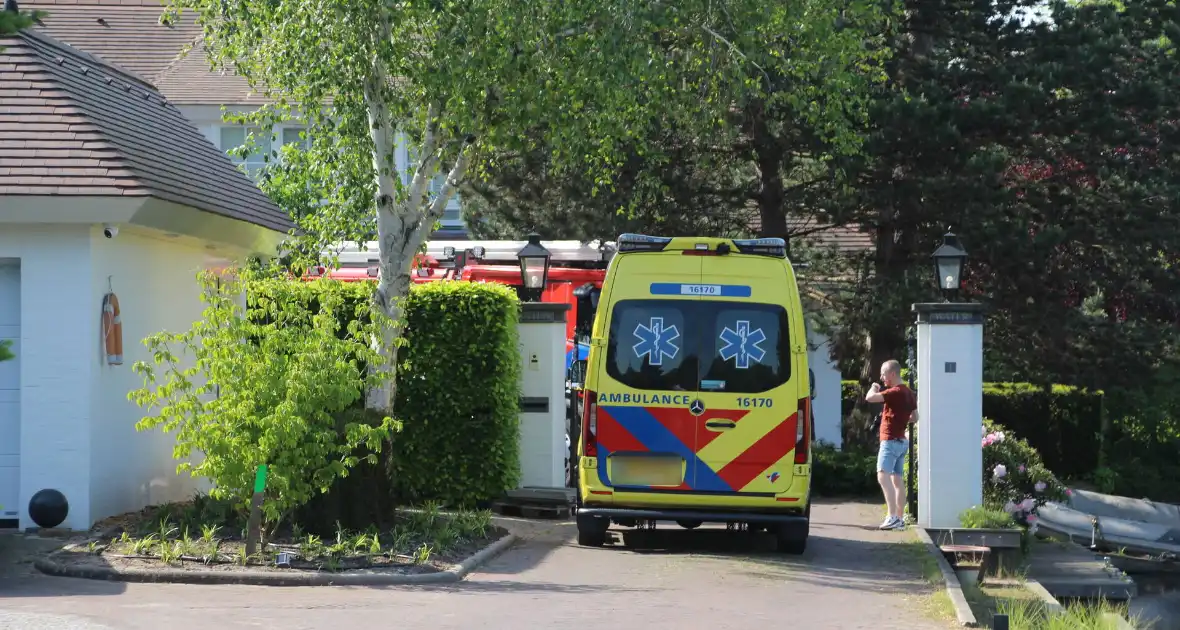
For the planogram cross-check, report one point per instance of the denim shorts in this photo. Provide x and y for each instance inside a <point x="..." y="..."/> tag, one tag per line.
<point x="891" y="456"/>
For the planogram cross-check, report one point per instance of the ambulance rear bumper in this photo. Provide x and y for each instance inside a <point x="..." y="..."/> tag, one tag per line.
<point x="704" y="516"/>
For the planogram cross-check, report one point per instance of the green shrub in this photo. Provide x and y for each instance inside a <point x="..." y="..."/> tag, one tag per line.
<point x="1015" y="479"/>
<point x="457" y="397"/>
<point x="5" y="350"/>
<point x="980" y="517"/>
<point x="459" y="394"/>
<point x="1143" y="451"/>
<point x="1064" y="425"/>
<point x="271" y="384"/>
<point x="848" y="473"/>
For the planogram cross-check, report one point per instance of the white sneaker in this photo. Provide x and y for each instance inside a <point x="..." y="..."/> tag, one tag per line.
<point x="890" y="522"/>
<point x="898" y="523"/>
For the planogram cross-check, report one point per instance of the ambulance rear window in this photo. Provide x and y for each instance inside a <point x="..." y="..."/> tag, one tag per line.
<point x="683" y="345"/>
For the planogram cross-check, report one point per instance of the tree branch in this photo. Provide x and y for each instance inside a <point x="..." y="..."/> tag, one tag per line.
<point x="428" y="158"/>
<point x="454" y="178"/>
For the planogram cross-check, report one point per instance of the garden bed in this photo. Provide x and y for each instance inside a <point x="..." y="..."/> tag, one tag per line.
<point x="200" y="536"/>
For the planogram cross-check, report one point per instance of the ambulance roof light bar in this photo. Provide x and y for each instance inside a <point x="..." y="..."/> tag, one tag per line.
<point x="642" y="243"/>
<point x="775" y="247"/>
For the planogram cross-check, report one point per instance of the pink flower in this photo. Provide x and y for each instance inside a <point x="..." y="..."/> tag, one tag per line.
<point x="1010" y="507"/>
<point x="1068" y="492"/>
<point x="1031" y="518"/>
<point x="999" y="472"/>
<point x="1020" y="469"/>
<point x="1039" y="486"/>
<point x="1028" y="504"/>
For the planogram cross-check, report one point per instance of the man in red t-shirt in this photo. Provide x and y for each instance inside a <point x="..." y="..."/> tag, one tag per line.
<point x="899" y="405"/>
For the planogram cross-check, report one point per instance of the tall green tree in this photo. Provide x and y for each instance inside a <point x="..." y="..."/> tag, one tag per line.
<point x="461" y="78"/>
<point x="1044" y="145"/>
<point x="804" y="103"/>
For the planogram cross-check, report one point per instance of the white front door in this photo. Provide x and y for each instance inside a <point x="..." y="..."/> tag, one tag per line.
<point x="10" y="395"/>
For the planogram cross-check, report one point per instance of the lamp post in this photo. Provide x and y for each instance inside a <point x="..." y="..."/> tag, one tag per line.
<point x="948" y="265"/>
<point x="534" y="267"/>
<point x="949" y="361"/>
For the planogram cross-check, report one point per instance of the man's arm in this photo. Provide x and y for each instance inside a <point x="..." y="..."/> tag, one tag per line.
<point x="874" y="394"/>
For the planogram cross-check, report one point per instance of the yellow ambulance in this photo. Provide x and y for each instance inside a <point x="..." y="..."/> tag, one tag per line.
<point x="697" y="400"/>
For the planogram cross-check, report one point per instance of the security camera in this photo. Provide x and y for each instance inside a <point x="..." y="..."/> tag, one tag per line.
<point x="110" y="231"/>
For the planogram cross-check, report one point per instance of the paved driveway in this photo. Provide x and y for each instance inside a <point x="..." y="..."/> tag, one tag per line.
<point x="851" y="577"/>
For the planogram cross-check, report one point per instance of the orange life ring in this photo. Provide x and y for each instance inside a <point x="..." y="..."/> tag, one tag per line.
<point x="112" y="329"/>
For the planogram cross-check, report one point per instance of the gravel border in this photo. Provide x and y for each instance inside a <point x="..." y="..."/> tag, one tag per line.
<point x="359" y="577"/>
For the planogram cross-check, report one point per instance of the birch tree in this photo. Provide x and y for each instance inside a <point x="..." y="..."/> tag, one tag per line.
<point x="454" y="78"/>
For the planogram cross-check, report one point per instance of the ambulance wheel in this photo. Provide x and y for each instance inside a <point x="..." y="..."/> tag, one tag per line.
<point x="592" y="531"/>
<point x="789" y="539"/>
<point x="792" y="537"/>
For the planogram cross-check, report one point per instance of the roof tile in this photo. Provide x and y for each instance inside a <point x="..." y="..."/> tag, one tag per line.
<point x="110" y="133"/>
<point x="127" y="33"/>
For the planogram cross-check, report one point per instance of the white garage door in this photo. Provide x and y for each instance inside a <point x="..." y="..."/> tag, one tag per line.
<point x="10" y="395"/>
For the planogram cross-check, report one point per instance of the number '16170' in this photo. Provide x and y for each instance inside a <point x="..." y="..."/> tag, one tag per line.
<point x="755" y="402"/>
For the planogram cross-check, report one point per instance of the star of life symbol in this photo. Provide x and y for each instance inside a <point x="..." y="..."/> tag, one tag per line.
<point x="656" y="341"/>
<point x="742" y="344"/>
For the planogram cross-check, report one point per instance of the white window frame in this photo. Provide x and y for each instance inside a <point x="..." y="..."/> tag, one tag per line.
<point x="276" y="143"/>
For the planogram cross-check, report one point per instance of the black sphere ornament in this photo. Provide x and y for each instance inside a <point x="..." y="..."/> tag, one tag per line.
<point x="48" y="508"/>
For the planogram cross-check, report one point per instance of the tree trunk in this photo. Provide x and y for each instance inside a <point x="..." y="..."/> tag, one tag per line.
<point x="402" y="223"/>
<point x="399" y="219"/>
<point x="768" y="155"/>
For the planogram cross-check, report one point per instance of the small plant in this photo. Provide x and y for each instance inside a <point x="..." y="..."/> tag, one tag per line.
<point x="980" y="517"/>
<point x="311" y="547"/>
<point x="144" y="546"/>
<point x="474" y="524"/>
<point x="92" y="547"/>
<point x="209" y="533"/>
<point x="401" y="541"/>
<point x="170" y="552"/>
<point x="422" y="554"/>
<point x="166" y="529"/>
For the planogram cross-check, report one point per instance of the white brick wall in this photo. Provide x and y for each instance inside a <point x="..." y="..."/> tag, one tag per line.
<point x="77" y="431"/>
<point x="55" y="373"/>
<point x="155" y="281"/>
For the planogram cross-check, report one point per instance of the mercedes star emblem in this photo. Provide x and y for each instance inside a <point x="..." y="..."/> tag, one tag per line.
<point x="696" y="407"/>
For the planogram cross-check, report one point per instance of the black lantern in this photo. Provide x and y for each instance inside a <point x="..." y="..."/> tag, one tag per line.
<point x="534" y="266"/>
<point x="948" y="264"/>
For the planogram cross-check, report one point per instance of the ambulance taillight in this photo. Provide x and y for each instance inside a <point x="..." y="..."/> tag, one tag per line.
<point x="803" y="431"/>
<point x="590" y="425"/>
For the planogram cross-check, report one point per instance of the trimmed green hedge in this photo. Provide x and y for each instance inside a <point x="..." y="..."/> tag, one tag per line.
<point x="847" y="473"/>
<point x="459" y="394"/>
<point x="458" y="397"/>
<point x="1064" y="425"/>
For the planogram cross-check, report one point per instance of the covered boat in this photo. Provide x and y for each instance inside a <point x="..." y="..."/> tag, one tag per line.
<point x="1137" y="526"/>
